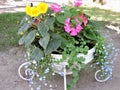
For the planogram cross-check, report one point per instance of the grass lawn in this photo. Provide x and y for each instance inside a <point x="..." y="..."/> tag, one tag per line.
<point x="9" y="23"/>
<point x="102" y="17"/>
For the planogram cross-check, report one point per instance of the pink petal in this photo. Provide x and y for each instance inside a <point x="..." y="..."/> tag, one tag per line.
<point x="67" y="21"/>
<point x="55" y="7"/>
<point x="73" y="32"/>
<point x="67" y="29"/>
<point x="79" y="28"/>
<point x="77" y="3"/>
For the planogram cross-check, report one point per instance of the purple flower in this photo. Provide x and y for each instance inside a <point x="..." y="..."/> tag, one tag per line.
<point x="55" y="7"/>
<point x="77" y="3"/>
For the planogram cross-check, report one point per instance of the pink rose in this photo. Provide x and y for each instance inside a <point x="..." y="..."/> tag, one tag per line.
<point x="55" y="7"/>
<point x="77" y="3"/>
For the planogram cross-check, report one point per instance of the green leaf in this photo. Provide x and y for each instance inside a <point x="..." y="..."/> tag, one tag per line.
<point x="49" y="11"/>
<point x="75" y="79"/>
<point x="82" y="65"/>
<point x="54" y="43"/>
<point x="50" y="22"/>
<point x="43" y="29"/>
<point x="22" y="39"/>
<point x="23" y="20"/>
<point x="24" y="28"/>
<point x="67" y="13"/>
<point x="37" y="54"/>
<point x="75" y="76"/>
<point x="81" y="59"/>
<point x="30" y="37"/>
<point x="90" y="35"/>
<point x="44" y="41"/>
<point x="74" y="12"/>
<point x="75" y="72"/>
<point x="61" y="19"/>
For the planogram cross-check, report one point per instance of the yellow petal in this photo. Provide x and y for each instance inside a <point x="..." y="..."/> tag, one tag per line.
<point x="42" y="7"/>
<point x="32" y="11"/>
<point x="28" y="10"/>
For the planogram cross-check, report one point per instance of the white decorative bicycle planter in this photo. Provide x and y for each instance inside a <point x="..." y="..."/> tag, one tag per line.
<point x="58" y="67"/>
<point x="61" y="67"/>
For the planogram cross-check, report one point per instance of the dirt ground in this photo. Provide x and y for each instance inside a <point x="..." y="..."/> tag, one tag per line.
<point x="12" y="58"/>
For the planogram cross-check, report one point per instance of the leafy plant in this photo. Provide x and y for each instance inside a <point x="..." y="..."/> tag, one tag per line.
<point x="63" y="30"/>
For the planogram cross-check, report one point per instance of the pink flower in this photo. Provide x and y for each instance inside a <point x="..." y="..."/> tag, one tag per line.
<point x="84" y="19"/>
<point x="67" y="21"/>
<point x="73" y="32"/>
<point x="55" y="7"/>
<point x="67" y="29"/>
<point x="77" y="3"/>
<point x="78" y="28"/>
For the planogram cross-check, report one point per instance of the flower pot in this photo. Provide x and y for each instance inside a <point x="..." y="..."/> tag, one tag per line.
<point x="58" y="68"/>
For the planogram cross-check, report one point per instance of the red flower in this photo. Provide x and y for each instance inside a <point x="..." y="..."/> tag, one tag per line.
<point x="84" y="19"/>
<point x="37" y="20"/>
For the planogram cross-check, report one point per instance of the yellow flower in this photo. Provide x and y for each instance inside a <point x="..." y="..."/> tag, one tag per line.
<point x="32" y="11"/>
<point x="28" y="10"/>
<point x="42" y="7"/>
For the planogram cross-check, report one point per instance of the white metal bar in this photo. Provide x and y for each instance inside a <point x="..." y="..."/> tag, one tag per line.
<point x="27" y="70"/>
<point x="65" y="81"/>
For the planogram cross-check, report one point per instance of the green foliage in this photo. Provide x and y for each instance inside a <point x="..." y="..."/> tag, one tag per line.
<point x="43" y="64"/>
<point x="50" y="22"/>
<point x="54" y="43"/>
<point x="37" y="54"/>
<point x="9" y="23"/>
<point x="24" y="28"/>
<point x="46" y="34"/>
<point x="100" y="51"/>
<point x="43" y="29"/>
<point x="27" y="39"/>
<point x="44" y="41"/>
